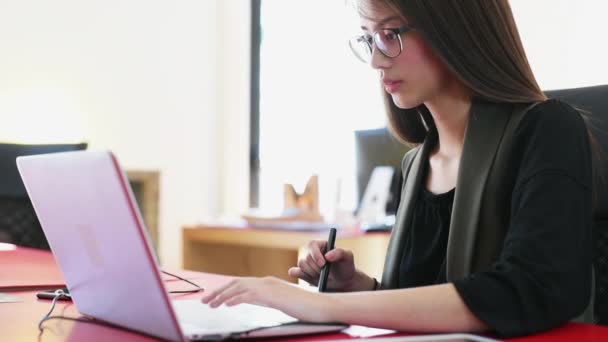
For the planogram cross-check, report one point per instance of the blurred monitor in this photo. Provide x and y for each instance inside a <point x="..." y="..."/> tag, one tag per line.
<point x="377" y="147"/>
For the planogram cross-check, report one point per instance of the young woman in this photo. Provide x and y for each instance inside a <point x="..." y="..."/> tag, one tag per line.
<point x="493" y="232"/>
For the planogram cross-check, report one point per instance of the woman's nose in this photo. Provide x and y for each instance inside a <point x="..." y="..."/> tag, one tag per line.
<point x="378" y="60"/>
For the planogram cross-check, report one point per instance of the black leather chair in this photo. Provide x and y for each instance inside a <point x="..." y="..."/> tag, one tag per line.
<point x="18" y="221"/>
<point x="593" y="101"/>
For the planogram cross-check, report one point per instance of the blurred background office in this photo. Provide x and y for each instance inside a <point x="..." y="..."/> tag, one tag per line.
<point x="167" y="86"/>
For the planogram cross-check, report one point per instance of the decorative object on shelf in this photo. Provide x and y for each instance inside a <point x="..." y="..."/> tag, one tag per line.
<point x="304" y="206"/>
<point x="301" y="207"/>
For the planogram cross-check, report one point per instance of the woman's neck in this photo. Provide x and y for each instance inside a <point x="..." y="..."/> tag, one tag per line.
<point x="451" y="114"/>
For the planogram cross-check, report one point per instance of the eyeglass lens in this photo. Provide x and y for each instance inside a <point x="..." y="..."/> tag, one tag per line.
<point x="387" y="41"/>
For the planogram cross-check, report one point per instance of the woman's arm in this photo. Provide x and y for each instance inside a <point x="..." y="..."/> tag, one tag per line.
<point x="437" y="308"/>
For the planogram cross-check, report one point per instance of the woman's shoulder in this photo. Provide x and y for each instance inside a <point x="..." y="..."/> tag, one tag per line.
<point x="552" y="122"/>
<point x="553" y="136"/>
<point x="551" y="115"/>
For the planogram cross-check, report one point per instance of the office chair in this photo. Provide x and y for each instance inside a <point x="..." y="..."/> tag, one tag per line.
<point x="594" y="100"/>
<point x="18" y="222"/>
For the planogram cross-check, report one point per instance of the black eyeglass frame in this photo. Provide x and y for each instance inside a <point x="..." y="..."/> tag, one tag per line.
<point x="371" y="44"/>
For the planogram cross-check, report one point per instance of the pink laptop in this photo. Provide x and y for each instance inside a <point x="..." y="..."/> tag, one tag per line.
<point x="91" y="221"/>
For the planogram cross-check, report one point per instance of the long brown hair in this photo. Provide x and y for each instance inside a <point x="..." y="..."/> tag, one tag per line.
<point x="478" y="41"/>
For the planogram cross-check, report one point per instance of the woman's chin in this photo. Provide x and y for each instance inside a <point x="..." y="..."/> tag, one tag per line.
<point x="404" y="102"/>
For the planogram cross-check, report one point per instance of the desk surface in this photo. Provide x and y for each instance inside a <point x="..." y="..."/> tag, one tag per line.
<point x="18" y="321"/>
<point x="27" y="268"/>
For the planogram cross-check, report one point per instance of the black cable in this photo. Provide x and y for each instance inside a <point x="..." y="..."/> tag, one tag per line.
<point x="198" y="288"/>
<point x="60" y="292"/>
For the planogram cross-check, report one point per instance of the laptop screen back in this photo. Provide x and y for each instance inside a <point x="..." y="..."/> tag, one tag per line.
<point x="95" y="231"/>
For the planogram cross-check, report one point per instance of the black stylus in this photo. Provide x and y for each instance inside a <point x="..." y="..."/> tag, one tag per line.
<point x="331" y="241"/>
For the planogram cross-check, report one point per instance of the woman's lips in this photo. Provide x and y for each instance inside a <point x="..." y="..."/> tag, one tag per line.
<point x="391" y="86"/>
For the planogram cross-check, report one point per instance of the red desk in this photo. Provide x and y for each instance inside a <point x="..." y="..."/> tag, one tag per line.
<point x="24" y="268"/>
<point x="19" y="321"/>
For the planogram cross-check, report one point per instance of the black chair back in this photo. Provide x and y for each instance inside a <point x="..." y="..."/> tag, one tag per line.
<point x="594" y="102"/>
<point x="18" y="221"/>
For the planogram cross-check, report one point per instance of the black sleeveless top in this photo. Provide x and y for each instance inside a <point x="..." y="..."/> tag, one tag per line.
<point x="423" y="260"/>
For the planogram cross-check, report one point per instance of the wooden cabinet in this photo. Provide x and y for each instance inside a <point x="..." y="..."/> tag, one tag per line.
<point x="245" y="251"/>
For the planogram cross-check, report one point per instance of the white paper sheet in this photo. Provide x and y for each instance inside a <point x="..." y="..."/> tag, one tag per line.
<point x="4" y="298"/>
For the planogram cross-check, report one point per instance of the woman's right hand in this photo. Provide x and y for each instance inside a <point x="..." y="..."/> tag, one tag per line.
<point x="343" y="275"/>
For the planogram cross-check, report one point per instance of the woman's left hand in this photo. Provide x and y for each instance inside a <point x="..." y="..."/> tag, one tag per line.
<point x="272" y="292"/>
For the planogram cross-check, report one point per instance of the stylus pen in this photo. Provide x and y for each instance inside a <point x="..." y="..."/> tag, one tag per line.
<point x="331" y="241"/>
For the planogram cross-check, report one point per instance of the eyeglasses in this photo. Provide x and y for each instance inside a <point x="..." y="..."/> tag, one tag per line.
<point x="387" y="41"/>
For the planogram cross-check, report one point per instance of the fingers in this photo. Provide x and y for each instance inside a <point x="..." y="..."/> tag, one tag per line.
<point x="309" y="267"/>
<point x="316" y="257"/>
<point x="315" y="248"/>
<point x="307" y="270"/>
<point x="238" y="299"/>
<point x="209" y="297"/>
<point x="297" y="273"/>
<point x="225" y="293"/>
<point x="312" y="264"/>
<point x="339" y="254"/>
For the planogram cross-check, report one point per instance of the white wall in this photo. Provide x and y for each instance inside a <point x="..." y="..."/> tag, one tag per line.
<point x="234" y="49"/>
<point x="565" y="40"/>
<point x="141" y="75"/>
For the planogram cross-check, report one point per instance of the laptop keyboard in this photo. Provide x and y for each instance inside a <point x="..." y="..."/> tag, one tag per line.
<point x="196" y="318"/>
